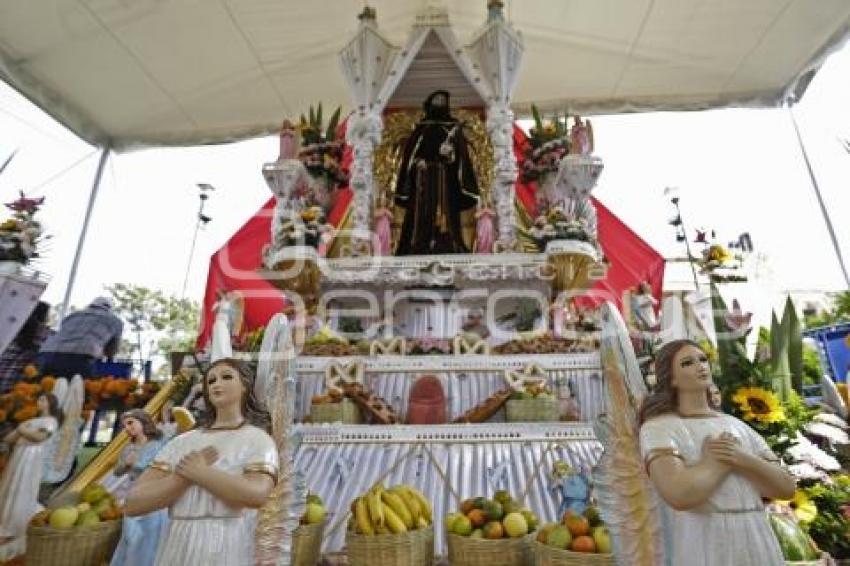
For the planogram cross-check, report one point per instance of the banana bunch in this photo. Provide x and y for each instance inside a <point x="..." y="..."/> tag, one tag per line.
<point x="396" y="510"/>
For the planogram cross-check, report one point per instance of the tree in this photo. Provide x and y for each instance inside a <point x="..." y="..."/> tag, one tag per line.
<point x="840" y="312"/>
<point x="163" y="322"/>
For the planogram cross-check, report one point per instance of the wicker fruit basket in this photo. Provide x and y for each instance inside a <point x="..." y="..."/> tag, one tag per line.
<point x="467" y="551"/>
<point x="307" y="544"/>
<point x="532" y="410"/>
<point x="78" y="546"/>
<point x="413" y="548"/>
<point x="346" y="412"/>
<point x="550" y="556"/>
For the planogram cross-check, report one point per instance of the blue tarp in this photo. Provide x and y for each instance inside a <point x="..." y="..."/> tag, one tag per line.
<point x="834" y="351"/>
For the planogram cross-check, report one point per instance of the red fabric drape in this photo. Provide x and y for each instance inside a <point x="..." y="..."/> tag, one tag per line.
<point x="234" y="266"/>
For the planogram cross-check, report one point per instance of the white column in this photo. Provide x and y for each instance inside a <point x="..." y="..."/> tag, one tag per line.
<point x="500" y="121"/>
<point x="363" y="134"/>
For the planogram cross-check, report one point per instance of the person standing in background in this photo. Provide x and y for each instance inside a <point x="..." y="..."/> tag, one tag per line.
<point x="84" y="336"/>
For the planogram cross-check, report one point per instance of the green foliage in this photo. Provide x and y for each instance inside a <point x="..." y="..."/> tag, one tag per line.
<point x="172" y="322"/>
<point x="330" y="134"/>
<point x="812" y="370"/>
<point x="311" y="128"/>
<point x="831" y="528"/>
<point x="794" y="334"/>
<point x="523" y="318"/>
<point x="840" y="312"/>
<point x="736" y="368"/>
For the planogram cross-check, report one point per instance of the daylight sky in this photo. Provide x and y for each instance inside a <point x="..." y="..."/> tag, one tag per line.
<point x="737" y="170"/>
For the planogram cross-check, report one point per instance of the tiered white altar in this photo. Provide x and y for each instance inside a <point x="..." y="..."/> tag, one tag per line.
<point x="479" y="323"/>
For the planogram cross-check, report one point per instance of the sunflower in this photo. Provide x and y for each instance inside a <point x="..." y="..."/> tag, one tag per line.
<point x="759" y="405"/>
<point x="804" y="508"/>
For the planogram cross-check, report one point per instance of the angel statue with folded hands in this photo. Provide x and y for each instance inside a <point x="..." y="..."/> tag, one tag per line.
<point x="213" y="479"/>
<point x="680" y="483"/>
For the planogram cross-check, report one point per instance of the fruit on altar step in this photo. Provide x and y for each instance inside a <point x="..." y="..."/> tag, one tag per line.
<point x="477" y="533"/>
<point x="462" y="526"/>
<point x="467" y="505"/>
<point x="493" y="530"/>
<point x="110" y="513"/>
<point x="794" y="542"/>
<point x="591" y="513"/>
<point x="493" y="510"/>
<point x="88" y="519"/>
<point x="101" y="505"/>
<point x="602" y="538"/>
<point x="583" y="543"/>
<point x="450" y="521"/>
<point x="478" y="517"/>
<point x="515" y="525"/>
<point x="543" y="533"/>
<point x="91" y="494"/>
<point x="83" y="507"/>
<point x="41" y="518"/>
<point x="511" y="506"/>
<point x="502" y="496"/>
<point x="314" y="513"/>
<point x="313" y="498"/>
<point x="530" y="519"/>
<point x="578" y="525"/>
<point x="396" y="510"/>
<point x="559" y="537"/>
<point x="64" y="517"/>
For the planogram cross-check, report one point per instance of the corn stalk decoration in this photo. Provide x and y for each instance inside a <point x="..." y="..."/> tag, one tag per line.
<point x="785" y="368"/>
<point x="279" y="517"/>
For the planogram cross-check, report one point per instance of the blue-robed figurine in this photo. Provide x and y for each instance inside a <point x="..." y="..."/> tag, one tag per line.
<point x="573" y="486"/>
<point x="139" y="535"/>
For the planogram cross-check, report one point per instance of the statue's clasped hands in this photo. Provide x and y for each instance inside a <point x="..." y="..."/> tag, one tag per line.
<point x="194" y="464"/>
<point x="726" y="449"/>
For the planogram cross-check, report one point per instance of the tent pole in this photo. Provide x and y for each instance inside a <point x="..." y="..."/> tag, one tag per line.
<point x="823" y="210"/>
<point x="92" y="198"/>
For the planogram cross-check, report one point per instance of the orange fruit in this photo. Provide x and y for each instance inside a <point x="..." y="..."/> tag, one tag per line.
<point x="494" y="530"/>
<point x="583" y="544"/>
<point x="478" y="517"/>
<point x="577" y="525"/>
<point x="467" y="505"/>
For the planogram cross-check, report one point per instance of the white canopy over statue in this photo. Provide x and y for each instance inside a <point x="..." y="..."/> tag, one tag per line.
<point x="146" y="73"/>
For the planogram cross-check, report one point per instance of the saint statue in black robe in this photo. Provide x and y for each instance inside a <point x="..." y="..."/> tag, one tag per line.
<point x="436" y="182"/>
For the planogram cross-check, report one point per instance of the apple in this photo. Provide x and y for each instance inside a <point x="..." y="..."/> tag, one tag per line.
<point x="314" y="513"/>
<point x="602" y="539"/>
<point x="88" y="519"/>
<point x="64" y="517"/>
<point x="515" y="525"/>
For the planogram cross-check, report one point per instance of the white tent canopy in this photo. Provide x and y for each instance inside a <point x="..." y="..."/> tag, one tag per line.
<point x="126" y="74"/>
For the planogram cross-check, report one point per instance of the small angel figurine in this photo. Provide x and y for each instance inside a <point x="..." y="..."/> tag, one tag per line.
<point x="327" y="233"/>
<point x="567" y="403"/>
<point x="485" y="228"/>
<point x="288" y="141"/>
<point x="538" y="233"/>
<point x="475" y="324"/>
<point x="383" y="228"/>
<point x="573" y="487"/>
<point x="20" y="479"/>
<point x="643" y="307"/>
<point x="581" y="136"/>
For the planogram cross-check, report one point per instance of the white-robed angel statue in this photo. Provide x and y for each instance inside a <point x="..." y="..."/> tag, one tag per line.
<point x="214" y="477"/>
<point x="680" y="483"/>
<point x="228" y="324"/>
